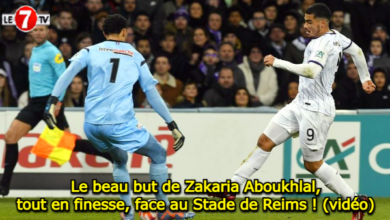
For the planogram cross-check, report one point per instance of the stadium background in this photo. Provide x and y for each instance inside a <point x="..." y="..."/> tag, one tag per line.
<point x="190" y="40"/>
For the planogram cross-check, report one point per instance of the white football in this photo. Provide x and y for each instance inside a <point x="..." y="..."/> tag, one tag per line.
<point x="148" y="215"/>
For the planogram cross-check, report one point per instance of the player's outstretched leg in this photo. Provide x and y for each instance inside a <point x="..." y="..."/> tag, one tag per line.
<point x="159" y="173"/>
<point x="250" y="165"/>
<point x="330" y="177"/>
<point x="16" y="131"/>
<point x="333" y="180"/>
<point x="87" y="147"/>
<point x="121" y="175"/>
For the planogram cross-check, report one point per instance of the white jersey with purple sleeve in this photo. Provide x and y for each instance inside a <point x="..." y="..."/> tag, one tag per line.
<point x="325" y="51"/>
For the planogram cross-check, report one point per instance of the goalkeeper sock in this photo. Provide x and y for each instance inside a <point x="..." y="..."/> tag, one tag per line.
<point x="332" y="179"/>
<point x="121" y="175"/>
<point x="11" y="159"/>
<point x="250" y="165"/>
<point x="159" y="173"/>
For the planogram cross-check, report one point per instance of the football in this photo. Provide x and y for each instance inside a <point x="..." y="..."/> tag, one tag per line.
<point x="148" y="215"/>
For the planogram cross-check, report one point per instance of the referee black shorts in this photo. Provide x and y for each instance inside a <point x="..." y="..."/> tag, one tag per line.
<point x="32" y="114"/>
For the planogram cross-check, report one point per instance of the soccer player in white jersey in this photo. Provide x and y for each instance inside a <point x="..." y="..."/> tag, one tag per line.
<point x="313" y="110"/>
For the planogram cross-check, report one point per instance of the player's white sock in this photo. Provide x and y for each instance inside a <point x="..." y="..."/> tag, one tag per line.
<point x="332" y="179"/>
<point x="250" y="165"/>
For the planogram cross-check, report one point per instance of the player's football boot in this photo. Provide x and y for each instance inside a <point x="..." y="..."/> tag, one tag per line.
<point x="123" y="217"/>
<point x="4" y="190"/>
<point x="168" y="214"/>
<point x="228" y="196"/>
<point x="359" y="214"/>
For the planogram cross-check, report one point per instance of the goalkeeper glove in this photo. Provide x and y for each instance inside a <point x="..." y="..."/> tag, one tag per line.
<point x="49" y="116"/>
<point x="177" y="135"/>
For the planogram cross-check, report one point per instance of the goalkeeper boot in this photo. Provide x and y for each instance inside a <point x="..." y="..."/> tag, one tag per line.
<point x="168" y="214"/>
<point x="4" y="190"/>
<point x="359" y="214"/>
<point x="129" y="217"/>
<point x="228" y="196"/>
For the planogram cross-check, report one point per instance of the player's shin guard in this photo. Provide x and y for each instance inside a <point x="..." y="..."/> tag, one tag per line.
<point x="11" y="158"/>
<point x="121" y="175"/>
<point x="250" y="165"/>
<point x="159" y="173"/>
<point x="332" y="179"/>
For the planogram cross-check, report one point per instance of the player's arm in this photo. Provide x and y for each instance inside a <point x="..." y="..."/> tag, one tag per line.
<point x="321" y="49"/>
<point x="148" y="85"/>
<point x="78" y="63"/>
<point x="360" y="61"/>
<point x="309" y="70"/>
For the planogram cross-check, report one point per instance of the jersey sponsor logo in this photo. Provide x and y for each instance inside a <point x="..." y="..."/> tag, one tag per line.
<point x="37" y="67"/>
<point x="117" y="51"/>
<point x="320" y="54"/>
<point x="59" y="59"/>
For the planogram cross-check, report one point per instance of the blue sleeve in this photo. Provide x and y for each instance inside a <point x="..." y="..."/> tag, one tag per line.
<point x="146" y="79"/>
<point x="82" y="57"/>
<point x="66" y="78"/>
<point x="158" y="104"/>
<point x="56" y="61"/>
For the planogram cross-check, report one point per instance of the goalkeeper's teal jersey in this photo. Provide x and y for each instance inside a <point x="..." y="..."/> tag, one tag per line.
<point x="113" y="69"/>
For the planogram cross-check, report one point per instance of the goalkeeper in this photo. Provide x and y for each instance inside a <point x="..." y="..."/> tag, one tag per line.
<point x="110" y="124"/>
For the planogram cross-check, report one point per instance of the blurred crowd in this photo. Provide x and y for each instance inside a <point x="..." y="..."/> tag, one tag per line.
<point x="206" y="53"/>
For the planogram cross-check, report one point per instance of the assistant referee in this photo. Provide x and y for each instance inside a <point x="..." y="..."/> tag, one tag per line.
<point x="45" y="67"/>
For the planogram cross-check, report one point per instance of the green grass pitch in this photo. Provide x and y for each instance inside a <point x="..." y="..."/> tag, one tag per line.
<point x="8" y="212"/>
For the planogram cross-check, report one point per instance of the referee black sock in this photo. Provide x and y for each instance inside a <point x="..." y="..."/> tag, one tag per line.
<point x="11" y="158"/>
<point x="87" y="147"/>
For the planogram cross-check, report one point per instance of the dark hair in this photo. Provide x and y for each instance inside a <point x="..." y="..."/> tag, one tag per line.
<point x="114" y="24"/>
<point x="66" y="10"/>
<point x="159" y="56"/>
<point x="142" y="13"/>
<point x="319" y="10"/>
<point x="376" y="70"/>
<point x="350" y="62"/>
<point x="269" y="3"/>
<point x="249" y="50"/>
<point x="338" y="10"/>
<point x="381" y="42"/>
<point x="6" y="94"/>
<point x="235" y="9"/>
<point x="167" y="34"/>
<point x="214" y="12"/>
<point x="201" y="6"/>
<point x="376" y="39"/>
<point x="258" y="11"/>
<point x="82" y="36"/>
<point x="205" y="31"/>
<point x="226" y="43"/>
<point x="68" y="98"/>
<point x="189" y="82"/>
<point x="379" y="70"/>
<point x="142" y="39"/>
<point x="225" y="68"/>
<point x="247" y="92"/>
